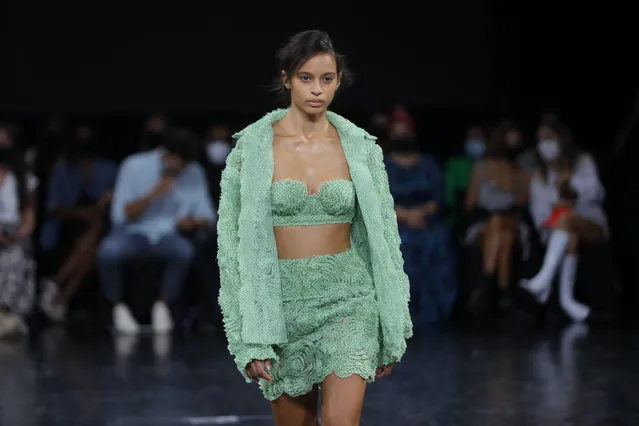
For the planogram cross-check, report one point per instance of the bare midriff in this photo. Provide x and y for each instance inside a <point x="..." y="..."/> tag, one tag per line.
<point x="298" y="242"/>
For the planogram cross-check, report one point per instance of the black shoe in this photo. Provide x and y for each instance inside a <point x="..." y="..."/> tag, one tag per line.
<point x="478" y="301"/>
<point x="506" y="302"/>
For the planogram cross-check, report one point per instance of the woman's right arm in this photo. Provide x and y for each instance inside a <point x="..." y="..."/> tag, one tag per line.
<point x="228" y="240"/>
<point x="542" y="198"/>
<point x="473" y="188"/>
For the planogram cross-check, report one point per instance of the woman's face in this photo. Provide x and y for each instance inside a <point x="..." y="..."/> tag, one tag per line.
<point x="84" y="133"/>
<point x="546" y="133"/>
<point x="5" y="138"/>
<point x="314" y="84"/>
<point x="548" y="144"/>
<point x="513" y="139"/>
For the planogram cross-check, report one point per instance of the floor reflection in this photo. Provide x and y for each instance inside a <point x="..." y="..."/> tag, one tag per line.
<point x="572" y="376"/>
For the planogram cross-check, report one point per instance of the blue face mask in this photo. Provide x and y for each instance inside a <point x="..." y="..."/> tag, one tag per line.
<point x="475" y="148"/>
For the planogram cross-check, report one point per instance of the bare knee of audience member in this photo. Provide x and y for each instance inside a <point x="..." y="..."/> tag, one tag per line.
<point x="342" y="400"/>
<point x="586" y="230"/>
<point x="573" y="244"/>
<point x="582" y="228"/>
<point x="299" y="411"/>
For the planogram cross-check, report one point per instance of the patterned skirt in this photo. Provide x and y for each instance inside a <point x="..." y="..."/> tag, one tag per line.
<point x="332" y="322"/>
<point x="17" y="277"/>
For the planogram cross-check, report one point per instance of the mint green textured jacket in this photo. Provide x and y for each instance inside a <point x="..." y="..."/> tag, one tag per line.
<point x="250" y="292"/>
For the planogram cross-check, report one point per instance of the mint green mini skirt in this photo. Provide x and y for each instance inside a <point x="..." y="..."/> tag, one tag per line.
<point x="332" y="323"/>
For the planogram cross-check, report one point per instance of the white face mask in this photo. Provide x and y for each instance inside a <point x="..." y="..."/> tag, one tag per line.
<point x="548" y="149"/>
<point x="217" y="151"/>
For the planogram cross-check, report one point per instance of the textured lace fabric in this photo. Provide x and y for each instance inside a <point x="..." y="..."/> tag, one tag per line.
<point x="250" y="278"/>
<point x="332" y="323"/>
<point x="294" y="206"/>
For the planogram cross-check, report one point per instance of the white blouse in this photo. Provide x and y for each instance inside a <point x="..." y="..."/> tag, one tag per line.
<point x="9" y="200"/>
<point x="586" y="183"/>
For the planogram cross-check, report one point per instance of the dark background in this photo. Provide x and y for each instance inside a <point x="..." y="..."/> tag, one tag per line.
<point x="451" y="62"/>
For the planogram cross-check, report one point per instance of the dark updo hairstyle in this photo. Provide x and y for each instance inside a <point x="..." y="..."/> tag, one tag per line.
<point x="497" y="146"/>
<point x="299" y="49"/>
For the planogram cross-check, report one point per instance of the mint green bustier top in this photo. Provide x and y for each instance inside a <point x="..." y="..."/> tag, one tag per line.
<point x="294" y="206"/>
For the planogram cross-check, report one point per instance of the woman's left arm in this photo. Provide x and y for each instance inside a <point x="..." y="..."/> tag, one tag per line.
<point x="436" y="176"/>
<point x="28" y="219"/>
<point x="28" y="223"/>
<point x="391" y="235"/>
<point x="586" y="183"/>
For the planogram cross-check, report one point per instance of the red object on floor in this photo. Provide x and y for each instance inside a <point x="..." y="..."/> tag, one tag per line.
<point x="555" y="216"/>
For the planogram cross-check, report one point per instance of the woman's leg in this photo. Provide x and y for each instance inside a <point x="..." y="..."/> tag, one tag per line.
<point x="540" y="284"/>
<point x="581" y="229"/>
<point x="504" y="262"/>
<point x="506" y="244"/>
<point x="86" y="241"/>
<point x="300" y="411"/>
<point x="71" y="275"/>
<point x="79" y="274"/>
<point x="342" y="400"/>
<point x="490" y="244"/>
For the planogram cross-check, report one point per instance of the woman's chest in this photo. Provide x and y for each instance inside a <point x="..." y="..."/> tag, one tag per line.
<point x="503" y="175"/>
<point x="312" y="163"/>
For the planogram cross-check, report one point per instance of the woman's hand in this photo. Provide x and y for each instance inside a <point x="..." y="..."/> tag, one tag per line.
<point x="258" y="369"/>
<point x="417" y="219"/>
<point x="402" y="214"/>
<point x="383" y="371"/>
<point x="104" y="200"/>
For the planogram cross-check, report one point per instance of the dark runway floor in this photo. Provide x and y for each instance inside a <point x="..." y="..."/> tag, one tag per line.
<point x="456" y="377"/>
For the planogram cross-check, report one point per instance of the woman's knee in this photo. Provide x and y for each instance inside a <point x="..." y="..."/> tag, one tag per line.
<point x="336" y="418"/>
<point x="494" y="223"/>
<point x="565" y="222"/>
<point x="573" y="243"/>
<point x="507" y="239"/>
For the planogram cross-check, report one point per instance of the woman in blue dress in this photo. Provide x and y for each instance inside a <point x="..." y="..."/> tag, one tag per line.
<point x="417" y="185"/>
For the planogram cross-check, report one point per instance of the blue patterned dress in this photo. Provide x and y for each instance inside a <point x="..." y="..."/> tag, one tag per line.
<point x="428" y="254"/>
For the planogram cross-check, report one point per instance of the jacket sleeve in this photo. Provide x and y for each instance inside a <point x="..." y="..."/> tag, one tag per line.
<point x="391" y="235"/>
<point x="585" y="181"/>
<point x="228" y="239"/>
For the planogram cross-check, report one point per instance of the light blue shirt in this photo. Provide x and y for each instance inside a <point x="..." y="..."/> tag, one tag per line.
<point x="137" y="176"/>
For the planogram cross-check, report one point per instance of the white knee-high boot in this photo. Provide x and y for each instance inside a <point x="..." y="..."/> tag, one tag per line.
<point x="574" y="309"/>
<point x="541" y="283"/>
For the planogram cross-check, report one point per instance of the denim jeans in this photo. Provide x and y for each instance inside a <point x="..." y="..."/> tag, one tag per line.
<point x="117" y="248"/>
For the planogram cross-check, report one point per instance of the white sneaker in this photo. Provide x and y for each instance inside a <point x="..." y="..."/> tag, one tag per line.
<point x="161" y="318"/>
<point x="12" y="325"/>
<point x="161" y="345"/>
<point x="123" y="320"/>
<point x="55" y="311"/>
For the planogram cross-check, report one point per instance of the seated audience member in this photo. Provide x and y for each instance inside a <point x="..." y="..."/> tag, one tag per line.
<point x="79" y="194"/>
<point x="154" y="132"/>
<point x="459" y="170"/>
<point x="157" y="195"/>
<point x="17" y="221"/>
<point x="416" y="182"/>
<point x="566" y="199"/>
<point x="217" y="146"/>
<point x="497" y="193"/>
